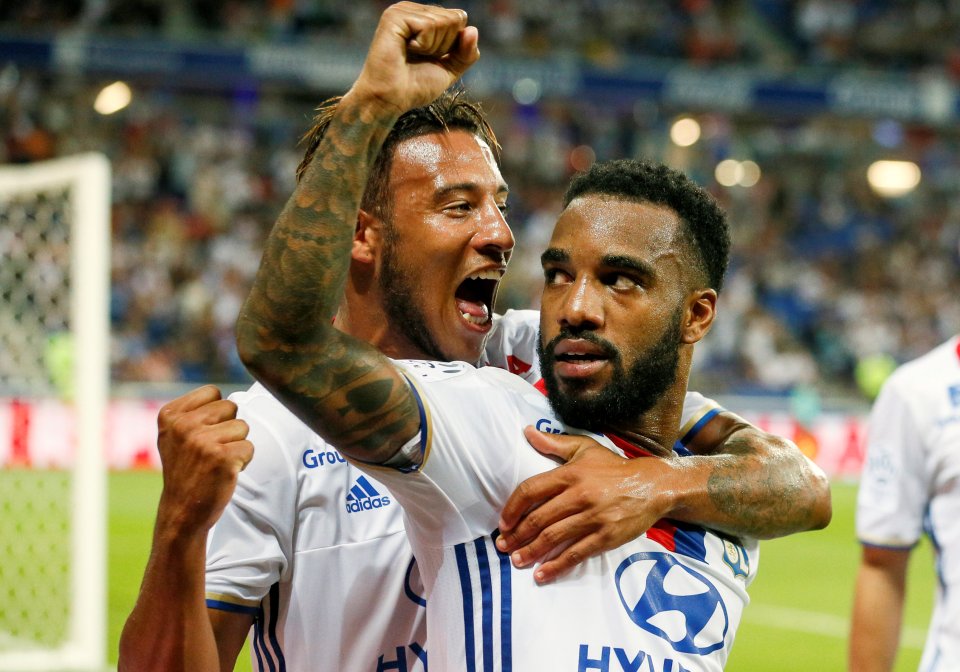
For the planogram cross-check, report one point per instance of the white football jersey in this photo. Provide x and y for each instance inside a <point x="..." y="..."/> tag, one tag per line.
<point x="911" y="482"/>
<point x="315" y="551"/>
<point x="671" y="599"/>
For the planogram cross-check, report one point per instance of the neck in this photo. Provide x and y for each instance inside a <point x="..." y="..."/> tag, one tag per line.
<point x="364" y="319"/>
<point x="656" y="430"/>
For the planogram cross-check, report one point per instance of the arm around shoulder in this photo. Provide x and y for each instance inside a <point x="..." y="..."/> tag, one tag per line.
<point x="753" y="483"/>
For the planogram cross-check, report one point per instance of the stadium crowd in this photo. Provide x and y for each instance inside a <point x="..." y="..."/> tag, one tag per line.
<point x="828" y="278"/>
<point x="775" y="33"/>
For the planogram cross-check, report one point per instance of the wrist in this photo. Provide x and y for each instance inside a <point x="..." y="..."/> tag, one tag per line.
<point x="177" y="524"/>
<point x="669" y="487"/>
<point x="371" y="105"/>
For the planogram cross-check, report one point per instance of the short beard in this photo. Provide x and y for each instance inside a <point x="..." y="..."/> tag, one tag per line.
<point x="628" y="395"/>
<point x="400" y="304"/>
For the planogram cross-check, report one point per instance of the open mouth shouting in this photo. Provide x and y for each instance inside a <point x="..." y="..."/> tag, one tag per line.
<point x="475" y="296"/>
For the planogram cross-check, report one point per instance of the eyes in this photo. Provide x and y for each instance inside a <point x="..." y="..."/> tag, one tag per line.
<point x="463" y="208"/>
<point x="617" y="280"/>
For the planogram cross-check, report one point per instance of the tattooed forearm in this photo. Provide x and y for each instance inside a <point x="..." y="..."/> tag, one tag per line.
<point x="306" y="257"/>
<point x="341" y="387"/>
<point x="766" y="491"/>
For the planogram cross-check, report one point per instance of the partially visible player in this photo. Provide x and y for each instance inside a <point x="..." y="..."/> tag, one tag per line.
<point x="910" y="486"/>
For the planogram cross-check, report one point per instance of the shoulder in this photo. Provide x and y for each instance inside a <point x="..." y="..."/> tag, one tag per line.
<point x="517" y="322"/>
<point x="257" y="400"/>
<point x="698" y="410"/>
<point x="941" y="363"/>
<point x="931" y="379"/>
<point x="464" y="394"/>
<point x="460" y="378"/>
<point x="269" y="419"/>
<point x="512" y="343"/>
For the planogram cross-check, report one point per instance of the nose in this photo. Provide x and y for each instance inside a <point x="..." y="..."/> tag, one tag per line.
<point x="581" y="307"/>
<point x="494" y="235"/>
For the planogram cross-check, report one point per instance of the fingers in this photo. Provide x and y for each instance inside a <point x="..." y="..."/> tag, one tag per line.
<point x="551" y="570"/>
<point x="438" y="33"/>
<point x="428" y="30"/>
<point x="466" y="51"/>
<point x="562" y="446"/>
<point x="191" y="400"/>
<point x="528" y="495"/>
<point x="215" y="412"/>
<point x="227" y="431"/>
<point x="564" y="527"/>
<point x="240" y="452"/>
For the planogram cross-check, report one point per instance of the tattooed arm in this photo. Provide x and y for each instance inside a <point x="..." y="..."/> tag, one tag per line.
<point x="742" y="481"/>
<point x="341" y="387"/>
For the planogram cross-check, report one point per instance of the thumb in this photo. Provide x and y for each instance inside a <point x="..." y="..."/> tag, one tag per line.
<point x="563" y="447"/>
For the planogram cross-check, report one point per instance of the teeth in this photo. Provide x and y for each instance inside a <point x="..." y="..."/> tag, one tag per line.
<point x="491" y="274"/>
<point x="475" y="319"/>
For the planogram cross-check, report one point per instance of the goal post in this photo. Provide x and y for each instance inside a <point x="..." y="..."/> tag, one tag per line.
<point x="55" y="340"/>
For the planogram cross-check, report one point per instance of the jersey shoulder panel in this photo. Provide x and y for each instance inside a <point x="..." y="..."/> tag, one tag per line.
<point x="278" y="436"/>
<point x="512" y="344"/>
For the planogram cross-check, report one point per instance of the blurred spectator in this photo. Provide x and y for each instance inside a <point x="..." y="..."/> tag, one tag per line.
<point x="826" y="275"/>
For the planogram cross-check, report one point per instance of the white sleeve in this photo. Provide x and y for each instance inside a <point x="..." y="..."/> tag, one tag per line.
<point x="249" y="548"/>
<point x="512" y="344"/>
<point x="698" y="410"/>
<point x="893" y="485"/>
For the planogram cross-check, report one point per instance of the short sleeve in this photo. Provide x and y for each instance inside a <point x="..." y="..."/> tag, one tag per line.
<point x="249" y="548"/>
<point x="698" y="410"/>
<point x="893" y="487"/>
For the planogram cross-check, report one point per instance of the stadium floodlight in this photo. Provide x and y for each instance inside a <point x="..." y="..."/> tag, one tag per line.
<point x="54" y="285"/>
<point x="892" y="179"/>
<point x="113" y="98"/>
<point x="732" y="173"/>
<point x="685" y="132"/>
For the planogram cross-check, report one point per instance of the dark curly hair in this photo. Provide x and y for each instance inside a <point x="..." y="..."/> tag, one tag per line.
<point x="705" y="230"/>
<point x="452" y="110"/>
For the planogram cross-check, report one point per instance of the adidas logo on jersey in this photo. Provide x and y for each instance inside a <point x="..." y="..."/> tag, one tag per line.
<point x="364" y="497"/>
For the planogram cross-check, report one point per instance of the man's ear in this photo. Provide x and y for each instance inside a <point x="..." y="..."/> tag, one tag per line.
<point x="700" y="311"/>
<point x="367" y="238"/>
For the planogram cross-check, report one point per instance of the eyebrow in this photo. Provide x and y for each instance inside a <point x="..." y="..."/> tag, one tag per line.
<point x="502" y="188"/>
<point x="631" y="263"/>
<point x="554" y="255"/>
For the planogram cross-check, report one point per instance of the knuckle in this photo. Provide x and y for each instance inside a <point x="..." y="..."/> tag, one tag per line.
<point x="534" y="520"/>
<point x="552" y="536"/>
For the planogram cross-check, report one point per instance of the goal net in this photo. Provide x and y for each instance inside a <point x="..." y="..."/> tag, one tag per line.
<point x="54" y="377"/>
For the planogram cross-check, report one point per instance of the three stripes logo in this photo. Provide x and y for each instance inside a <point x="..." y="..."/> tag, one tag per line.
<point x="364" y="497"/>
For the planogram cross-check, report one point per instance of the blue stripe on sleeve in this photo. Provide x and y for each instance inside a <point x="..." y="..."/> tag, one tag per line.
<point x="274" y="619"/>
<point x="235" y="608"/>
<point x="710" y="415"/>
<point x="424" y="428"/>
<point x="261" y="645"/>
